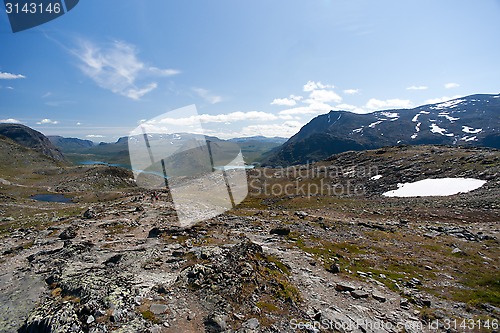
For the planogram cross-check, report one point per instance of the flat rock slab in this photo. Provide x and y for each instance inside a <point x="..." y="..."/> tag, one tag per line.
<point x="158" y="308"/>
<point x="359" y="294"/>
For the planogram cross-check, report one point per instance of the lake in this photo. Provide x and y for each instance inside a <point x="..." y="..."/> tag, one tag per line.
<point x="51" y="198"/>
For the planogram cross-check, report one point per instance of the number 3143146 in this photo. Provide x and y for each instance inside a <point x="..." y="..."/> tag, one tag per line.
<point x="33" y="8"/>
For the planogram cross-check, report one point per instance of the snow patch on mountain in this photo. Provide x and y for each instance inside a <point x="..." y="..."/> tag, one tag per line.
<point x="357" y="130"/>
<point x="390" y="114"/>
<point x="436" y="187"/>
<point x="447" y="116"/>
<point x="373" y="125"/>
<point x="469" y="138"/>
<point x="470" y="130"/>
<point x="436" y="129"/>
<point x="450" y="104"/>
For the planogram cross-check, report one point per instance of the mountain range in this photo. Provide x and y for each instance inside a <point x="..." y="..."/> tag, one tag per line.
<point x="472" y="120"/>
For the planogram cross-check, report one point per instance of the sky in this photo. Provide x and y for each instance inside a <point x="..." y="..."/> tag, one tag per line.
<point x="249" y="67"/>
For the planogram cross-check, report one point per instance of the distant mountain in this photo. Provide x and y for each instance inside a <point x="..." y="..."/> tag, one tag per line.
<point x="276" y="139"/>
<point x="30" y="138"/>
<point x="70" y="144"/>
<point x="472" y="120"/>
<point x="78" y="151"/>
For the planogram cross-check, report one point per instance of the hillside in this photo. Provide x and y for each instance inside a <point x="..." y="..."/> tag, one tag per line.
<point x="468" y="121"/>
<point x="30" y="138"/>
<point x="69" y="145"/>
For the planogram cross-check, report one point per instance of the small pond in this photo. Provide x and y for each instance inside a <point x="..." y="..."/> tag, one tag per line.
<point x="51" y="198"/>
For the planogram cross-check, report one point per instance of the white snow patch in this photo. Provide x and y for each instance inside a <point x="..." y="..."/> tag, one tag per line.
<point x="390" y="114"/>
<point x="470" y="130"/>
<point x="425" y="112"/>
<point x="357" y="130"/>
<point x="469" y="138"/>
<point x="449" y="104"/>
<point x="414" y="136"/>
<point x="372" y="125"/>
<point x="417" y="128"/>
<point x="415" y="119"/>
<point x="447" y="116"/>
<point x="436" y="129"/>
<point x="436" y="187"/>
<point x="377" y="177"/>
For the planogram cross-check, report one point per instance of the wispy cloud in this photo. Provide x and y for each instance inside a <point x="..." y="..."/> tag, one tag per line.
<point x="163" y="72"/>
<point x="417" y="88"/>
<point x="351" y="91"/>
<point x="47" y="121"/>
<point x="376" y="104"/>
<point x="116" y="67"/>
<point x="451" y="85"/>
<point x="10" y="121"/>
<point x="207" y="96"/>
<point x="10" y="76"/>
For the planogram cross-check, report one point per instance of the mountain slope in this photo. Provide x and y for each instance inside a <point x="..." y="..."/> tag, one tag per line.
<point x="472" y="120"/>
<point x="30" y="138"/>
<point x="70" y="145"/>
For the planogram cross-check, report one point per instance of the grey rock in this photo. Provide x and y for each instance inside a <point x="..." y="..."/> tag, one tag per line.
<point x="252" y="324"/>
<point x="158" y="308"/>
<point x="344" y="287"/>
<point x="379" y="297"/>
<point x="359" y="294"/>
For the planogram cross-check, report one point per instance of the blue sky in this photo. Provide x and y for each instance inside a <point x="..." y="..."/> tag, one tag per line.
<point x="251" y="67"/>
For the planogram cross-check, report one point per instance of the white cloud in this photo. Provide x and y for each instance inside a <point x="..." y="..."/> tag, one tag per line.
<point x="10" y="121"/>
<point x="451" y="85"/>
<point x="290" y="101"/>
<point x="163" y="72"/>
<point x="207" y="96"/>
<point x="351" y="108"/>
<point x="116" y="67"/>
<point x="95" y="136"/>
<point x="312" y="108"/>
<point x="220" y="118"/>
<point x="284" y="102"/>
<point x="78" y="124"/>
<point x="287" y="129"/>
<point x="441" y="99"/>
<point x="138" y="93"/>
<point x="376" y="104"/>
<point x="323" y="96"/>
<point x="311" y="85"/>
<point x="47" y="94"/>
<point x="10" y="76"/>
<point x="351" y="91"/>
<point x="417" y="88"/>
<point x="47" y="121"/>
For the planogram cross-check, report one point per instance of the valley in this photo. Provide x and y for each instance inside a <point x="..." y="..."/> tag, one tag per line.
<point x="115" y="258"/>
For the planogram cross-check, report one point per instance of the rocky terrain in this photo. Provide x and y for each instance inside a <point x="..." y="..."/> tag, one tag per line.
<point x="345" y="259"/>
